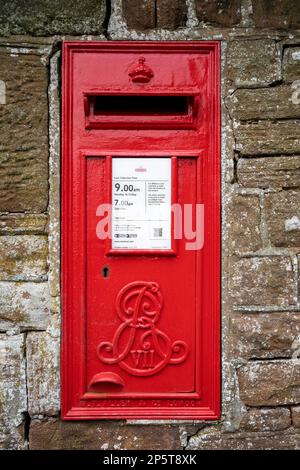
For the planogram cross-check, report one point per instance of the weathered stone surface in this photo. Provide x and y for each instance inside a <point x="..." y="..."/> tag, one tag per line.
<point x="296" y="416"/>
<point x="262" y="281"/>
<point x="280" y="14"/>
<point x="12" y="391"/>
<point x="23" y="224"/>
<point x="53" y="434"/>
<point x="291" y="64"/>
<point x="265" y="137"/>
<point x="252" y="62"/>
<point x="25" y="305"/>
<point x="270" y="383"/>
<point x="43" y="376"/>
<point x="266" y="419"/>
<point x="148" y="14"/>
<point x="46" y="17"/>
<point x="170" y="15"/>
<point x="244" y="217"/>
<point x="24" y="130"/>
<point x="54" y="181"/>
<point x="282" y="212"/>
<point x="139" y="14"/>
<point x="269" y="172"/>
<point x="212" y="439"/>
<point x="265" y="335"/>
<point x="23" y="257"/>
<point x="219" y="12"/>
<point x="263" y="103"/>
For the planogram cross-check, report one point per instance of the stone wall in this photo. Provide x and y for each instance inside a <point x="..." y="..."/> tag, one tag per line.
<point x="260" y="217"/>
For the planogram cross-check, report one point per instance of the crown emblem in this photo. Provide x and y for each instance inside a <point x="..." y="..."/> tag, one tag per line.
<point x="141" y="73"/>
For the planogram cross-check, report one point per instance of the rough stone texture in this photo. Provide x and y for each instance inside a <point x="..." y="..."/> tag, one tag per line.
<point x="296" y="416"/>
<point x="266" y="419"/>
<point x="43" y="375"/>
<point x="170" y="15"/>
<point x="267" y="137"/>
<point x="23" y="257"/>
<point x="46" y="17"/>
<point x="53" y="434"/>
<point x="212" y="439"/>
<point x="12" y="391"/>
<point x="264" y="103"/>
<point x="291" y="64"/>
<point x="270" y="383"/>
<point x="24" y="305"/>
<point x="148" y="14"/>
<point x="281" y="14"/>
<point x="54" y="182"/>
<point x="252" y="62"/>
<point x="23" y="224"/>
<point x="265" y="335"/>
<point x="219" y="12"/>
<point x="23" y="122"/>
<point x="283" y="218"/>
<point x="139" y="14"/>
<point x="245" y="224"/>
<point x="263" y="281"/>
<point x="269" y="172"/>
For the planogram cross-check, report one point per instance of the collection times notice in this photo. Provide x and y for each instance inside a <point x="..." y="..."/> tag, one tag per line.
<point x="141" y="203"/>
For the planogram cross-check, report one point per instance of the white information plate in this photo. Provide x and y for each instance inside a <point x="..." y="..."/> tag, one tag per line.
<point x="141" y="203"/>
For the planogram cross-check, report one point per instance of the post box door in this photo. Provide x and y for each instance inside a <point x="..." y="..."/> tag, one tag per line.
<point x="140" y="297"/>
<point x="137" y="304"/>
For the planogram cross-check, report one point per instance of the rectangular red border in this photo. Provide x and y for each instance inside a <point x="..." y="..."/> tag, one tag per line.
<point x="73" y="244"/>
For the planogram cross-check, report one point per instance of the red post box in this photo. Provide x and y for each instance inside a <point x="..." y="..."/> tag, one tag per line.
<point x="140" y="181"/>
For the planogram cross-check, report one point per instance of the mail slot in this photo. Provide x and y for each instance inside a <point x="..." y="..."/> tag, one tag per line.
<point x="141" y="230"/>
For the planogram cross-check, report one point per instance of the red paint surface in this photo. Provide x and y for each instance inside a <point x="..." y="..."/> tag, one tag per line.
<point x="143" y="342"/>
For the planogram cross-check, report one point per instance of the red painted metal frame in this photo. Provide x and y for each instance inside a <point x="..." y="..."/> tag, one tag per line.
<point x="77" y="403"/>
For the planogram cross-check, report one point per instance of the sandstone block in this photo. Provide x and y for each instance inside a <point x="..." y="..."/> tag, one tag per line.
<point x="24" y="131"/>
<point x="24" y="304"/>
<point x="23" y="224"/>
<point x="264" y="103"/>
<point x="211" y="439"/>
<point x="139" y="14"/>
<point x="269" y="172"/>
<point x="13" y="391"/>
<point x="23" y="257"/>
<point x="219" y="12"/>
<point x="252" y="62"/>
<point x="265" y="335"/>
<point x="270" y="383"/>
<point x="291" y="64"/>
<point x="280" y="14"/>
<point x="296" y="416"/>
<point x="48" y="17"/>
<point x="54" y="434"/>
<point x="283" y="218"/>
<point x="43" y="376"/>
<point x="171" y="15"/>
<point x="266" y="419"/>
<point x="244" y="217"/>
<point x="268" y="138"/>
<point x="262" y="281"/>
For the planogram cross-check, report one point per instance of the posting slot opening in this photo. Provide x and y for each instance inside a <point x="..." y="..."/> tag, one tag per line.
<point x="140" y="111"/>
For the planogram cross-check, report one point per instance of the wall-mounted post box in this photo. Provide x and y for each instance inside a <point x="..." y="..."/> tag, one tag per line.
<point x="140" y="230"/>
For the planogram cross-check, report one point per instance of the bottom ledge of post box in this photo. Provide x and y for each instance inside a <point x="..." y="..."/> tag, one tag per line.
<point x="200" y="414"/>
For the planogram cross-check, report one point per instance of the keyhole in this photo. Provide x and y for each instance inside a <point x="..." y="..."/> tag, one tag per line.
<point x="105" y="271"/>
